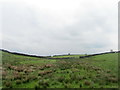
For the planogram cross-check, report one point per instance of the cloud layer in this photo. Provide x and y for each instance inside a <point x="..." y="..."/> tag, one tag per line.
<point x="47" y="27"/>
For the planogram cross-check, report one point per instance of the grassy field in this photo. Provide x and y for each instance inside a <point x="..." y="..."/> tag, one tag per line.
<point x="64" y="56"/>
<point x="99" y="71"/>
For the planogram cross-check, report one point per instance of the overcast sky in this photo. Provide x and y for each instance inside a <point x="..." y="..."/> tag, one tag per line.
<point x="47" y="27"/>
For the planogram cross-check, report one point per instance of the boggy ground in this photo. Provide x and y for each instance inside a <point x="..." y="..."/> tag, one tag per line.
<point x="30" y="72"/>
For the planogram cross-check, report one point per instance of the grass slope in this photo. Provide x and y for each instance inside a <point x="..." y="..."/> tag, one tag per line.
<point x="31" y="72"/>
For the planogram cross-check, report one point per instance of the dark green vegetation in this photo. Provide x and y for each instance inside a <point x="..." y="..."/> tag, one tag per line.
<point x="31" y="72"/>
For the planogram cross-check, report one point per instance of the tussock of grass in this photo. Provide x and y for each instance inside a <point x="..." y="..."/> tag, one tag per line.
<point x="93" y="72"/>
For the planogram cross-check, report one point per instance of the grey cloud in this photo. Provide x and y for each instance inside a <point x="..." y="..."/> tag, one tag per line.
<point x="44" y="33"/>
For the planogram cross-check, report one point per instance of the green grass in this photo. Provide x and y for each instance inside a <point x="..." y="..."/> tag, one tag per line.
<point x="106" y="61"/>
<point x="30" y="72"/>
<point x="64" y="56"/>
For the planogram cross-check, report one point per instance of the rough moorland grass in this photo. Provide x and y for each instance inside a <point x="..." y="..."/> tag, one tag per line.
<point x="106" y="61"/>
<point x="30" y="72"/>
<point x="18" y="59"/>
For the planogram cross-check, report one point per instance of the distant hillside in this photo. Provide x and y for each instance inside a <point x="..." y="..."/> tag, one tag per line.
<point x="59" y="56"/>
<point x="23" y="54"/>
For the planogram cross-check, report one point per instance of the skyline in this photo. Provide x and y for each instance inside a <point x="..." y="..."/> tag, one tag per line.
<point x="58" y="27"/>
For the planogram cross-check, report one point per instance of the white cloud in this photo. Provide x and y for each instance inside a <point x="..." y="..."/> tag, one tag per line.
<point x="46" y="27"/>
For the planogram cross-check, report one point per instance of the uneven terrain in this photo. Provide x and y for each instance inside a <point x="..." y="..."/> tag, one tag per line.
<point x="100" y="71"/>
